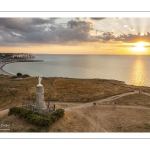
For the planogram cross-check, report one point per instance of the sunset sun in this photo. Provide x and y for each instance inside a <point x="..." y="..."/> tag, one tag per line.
<point x="140" y="47"/>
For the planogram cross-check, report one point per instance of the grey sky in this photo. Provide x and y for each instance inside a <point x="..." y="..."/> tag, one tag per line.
<point x="17" y="31"/>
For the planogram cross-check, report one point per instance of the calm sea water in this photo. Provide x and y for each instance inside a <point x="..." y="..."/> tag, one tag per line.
<point x="131" y="69"/>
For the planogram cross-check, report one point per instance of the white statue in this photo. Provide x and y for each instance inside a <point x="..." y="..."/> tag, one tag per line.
<point x="39" y="79"/>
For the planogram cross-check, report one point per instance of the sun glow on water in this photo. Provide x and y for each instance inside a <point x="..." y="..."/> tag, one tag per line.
<point x="138" y="73"/>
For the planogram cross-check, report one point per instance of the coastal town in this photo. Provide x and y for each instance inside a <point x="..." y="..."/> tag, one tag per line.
<point x="15" y="57"/>
<point x="6" y="58"/>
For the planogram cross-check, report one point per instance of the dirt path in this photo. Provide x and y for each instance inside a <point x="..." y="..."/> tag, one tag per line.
<point x="100" y="101"/>
<point x="148" y="94"/>
<point x="4" y="112"/>
<point x="94" y="123"/>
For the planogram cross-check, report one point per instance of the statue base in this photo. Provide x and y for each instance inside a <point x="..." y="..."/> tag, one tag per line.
<point x="40" y="104"/>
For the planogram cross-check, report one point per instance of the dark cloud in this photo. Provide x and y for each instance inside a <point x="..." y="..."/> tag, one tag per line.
<point x="17" y="24"/>
<point x="40" y="21"/>
<point x="19" y="31"/>
<point x="53" y="28"/>
<point x="73" y="23"/>
<point x="127" y="38"/>
<point x="101" y="18"/>
<point x="107" y="36"/>
<point x="133" y="38"/>
<point x="23" y="24"/>
<point x="80" y="24"/>
<point x="38" y="30"/>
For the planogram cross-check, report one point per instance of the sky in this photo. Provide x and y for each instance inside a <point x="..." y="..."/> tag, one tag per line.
<point x="104" y="35"/>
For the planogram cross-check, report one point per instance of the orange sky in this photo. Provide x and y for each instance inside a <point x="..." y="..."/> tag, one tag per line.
<point x="88" y="48"/>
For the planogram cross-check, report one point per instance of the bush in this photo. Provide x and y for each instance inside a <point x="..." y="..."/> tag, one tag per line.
<point x="25" y="76"/>
<point x="19" y="74"/>
<point x="37" y="118"/>
<point x="13" y="77"/>
<point x="58" y="113"/>
<point x="21" y="112"/>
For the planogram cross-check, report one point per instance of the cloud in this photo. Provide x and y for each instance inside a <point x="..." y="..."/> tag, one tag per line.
<point x="80" y="24"/>
<point x="97" y="18"/>
<point x="37" y="30"/>
<point x="23" y="24"/>
<point x="78" y="19"/>
<point x="19" y="31"/>
<point x="16" y="34"/>
<point x="40" y="21"/>
<point x="16" y="24"/>
<point x="127" y="38"/>
<point x="125" y="26"/>
<point x="107" y="36"/>
<point x="133" y="38"/>
<point x="131" y="29"/>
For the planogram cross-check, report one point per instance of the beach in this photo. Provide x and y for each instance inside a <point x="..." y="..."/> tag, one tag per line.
<point x="2" y="72"/>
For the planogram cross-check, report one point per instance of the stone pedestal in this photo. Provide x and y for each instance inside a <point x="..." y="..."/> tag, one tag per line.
<point x="40" y="104"/>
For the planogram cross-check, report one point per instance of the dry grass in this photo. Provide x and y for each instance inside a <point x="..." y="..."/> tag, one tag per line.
<point x="99" y="118"/>
<point x="132" y="100"/>
<point x="71" y="122"/>
<point x="126" y="116"/>
<point x="122" y="119"/>
<point x="82" y="90"/>
<point x="13" y="92"/>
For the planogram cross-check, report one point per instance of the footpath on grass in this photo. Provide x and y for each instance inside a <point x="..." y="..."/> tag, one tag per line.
<point x="99" y="101"/>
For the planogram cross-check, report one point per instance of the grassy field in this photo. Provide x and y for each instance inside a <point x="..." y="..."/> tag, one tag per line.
<point x="89" y="118"/>
<point x="132" y="100"/>
<point x="14" y="92"/>
<point x="131" y="113"/>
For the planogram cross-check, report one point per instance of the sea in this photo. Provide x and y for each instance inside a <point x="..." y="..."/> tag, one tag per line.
<point x="134" y="70"/>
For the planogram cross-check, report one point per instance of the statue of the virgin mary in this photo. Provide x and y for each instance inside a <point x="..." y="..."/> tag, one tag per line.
<point x="39" y="79"/>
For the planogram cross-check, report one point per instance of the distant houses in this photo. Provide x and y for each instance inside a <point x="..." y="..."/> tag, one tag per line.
<point x="22" y="56"/>
<point x="10" y="57"/>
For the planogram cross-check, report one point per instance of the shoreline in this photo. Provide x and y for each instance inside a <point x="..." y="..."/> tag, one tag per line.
<point x="3" y="72"/>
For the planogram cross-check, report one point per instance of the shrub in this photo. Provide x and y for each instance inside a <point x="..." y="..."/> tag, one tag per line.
<point x="19" y="74"/>
<point x="13" y="77"/>
<point x="25" y="76"/>
<point x="53" y="118"/>
<point x="21" y="112"/>
<point x="37" y="118"/>
<point x="58" y="113"/>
